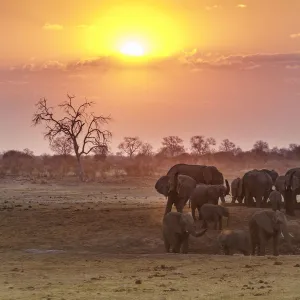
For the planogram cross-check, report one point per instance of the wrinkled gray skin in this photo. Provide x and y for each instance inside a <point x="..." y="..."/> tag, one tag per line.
<point x="275" y="199"/>
<point x="280" y="184"/>
<point x="235" y="240"/>
<point x="273" y="174"/>
<point x="177" y="189"/>
<point x="201" y="173"/>
<point x="214" y="213"/>
<point x="204" y="193"/>
<point x="176" y="230"/>
<point x="292" y="190"/>
<point x="235" y="189"/>
<point x="267" y="224"/>
<point x="255" y="184"/>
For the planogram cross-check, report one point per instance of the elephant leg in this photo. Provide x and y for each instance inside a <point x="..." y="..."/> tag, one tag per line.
<point x="275" y="244"/>
<point x="185" y="244"/>
<point x="169" y="205"/>
<point x="220" y="223"/>
<point x="258" y="201"/>
<point x="262" y="244"/>
<point x="177" y="243"/>
<point x="199" y="213"/>
<point x="245" y="252"/>
<point x="166" y="243"/>
<point x="194" y="213"/>
<point x="226" y="250"/>
<point x="204" y="224"/>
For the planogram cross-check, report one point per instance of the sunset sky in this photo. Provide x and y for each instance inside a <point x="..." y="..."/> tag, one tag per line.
<point x="226" y="69"/>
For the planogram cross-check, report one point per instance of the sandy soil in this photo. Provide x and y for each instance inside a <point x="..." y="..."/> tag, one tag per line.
<point x="103" y="241"/>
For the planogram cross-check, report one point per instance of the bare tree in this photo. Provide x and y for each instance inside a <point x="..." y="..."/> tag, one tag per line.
<point x="201" y="145"/>
<point x="28" y="152"/>
<point x="82" y="127"/>
<point x="130" y="145"/>
<point x="228" y="146"/>
<point x="172" y="146"/>
<point x="261" y="146"/>
<point x="62" y="145"/>
<point x="146" y="149"/>
<point x="100" y="153"/>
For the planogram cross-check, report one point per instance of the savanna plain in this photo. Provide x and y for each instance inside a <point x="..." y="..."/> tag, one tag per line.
<point x="102" y="240"/>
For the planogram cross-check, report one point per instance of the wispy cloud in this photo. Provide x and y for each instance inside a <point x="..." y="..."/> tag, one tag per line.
<point x="295" y="35"/>
<point x="216" y="6"/>
<point x="241" y="6"/>
<point x="49" y="26"/>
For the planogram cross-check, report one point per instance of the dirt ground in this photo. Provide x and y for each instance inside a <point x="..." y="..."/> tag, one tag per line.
<point x="103" y="241"/>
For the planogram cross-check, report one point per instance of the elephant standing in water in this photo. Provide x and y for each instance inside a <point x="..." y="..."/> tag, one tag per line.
<point x="193" y="174"/>
<point x="176" y="230"/>
<point x="257" y="184"/>
<point x="267" y="224"/>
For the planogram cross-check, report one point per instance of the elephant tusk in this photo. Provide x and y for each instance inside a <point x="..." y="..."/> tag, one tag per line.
<point x="291" y="235"/>
<point x="282" y="234"/>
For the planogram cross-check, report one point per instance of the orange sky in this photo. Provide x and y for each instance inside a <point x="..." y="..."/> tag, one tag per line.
<point x="227" y="69"/>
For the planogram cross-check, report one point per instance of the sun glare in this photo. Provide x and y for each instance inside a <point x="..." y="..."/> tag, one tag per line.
<point x="132" y="49"/>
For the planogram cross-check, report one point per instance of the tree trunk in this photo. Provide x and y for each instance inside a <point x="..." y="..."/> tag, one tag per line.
<point x="80" y="168"/>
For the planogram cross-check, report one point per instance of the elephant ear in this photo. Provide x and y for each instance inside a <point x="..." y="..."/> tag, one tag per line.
<point x="265" y="222"/>
<point x="162" y="185"/>
<point x="207" y="174"/>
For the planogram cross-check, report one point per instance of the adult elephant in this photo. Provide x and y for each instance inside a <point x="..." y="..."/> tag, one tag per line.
<point x="235" y="190"/>
<point x="201" y="173"/>
<point x="177" y="189"/>
<point x="280" y="184"/>
<point x="273" y="174"/>
<point x="255" y="184"/>
<point x="267" y="224"/>
<point x="204" y="193"/>
<point x="292" y="189"/>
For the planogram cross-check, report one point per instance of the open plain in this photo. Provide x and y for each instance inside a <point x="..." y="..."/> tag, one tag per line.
<point x="103" y="241"/>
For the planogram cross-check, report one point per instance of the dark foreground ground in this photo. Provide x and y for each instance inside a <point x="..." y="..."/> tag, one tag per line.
<point x="96" y="241"/>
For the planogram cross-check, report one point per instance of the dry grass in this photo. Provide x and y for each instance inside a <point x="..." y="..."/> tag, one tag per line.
<point x="109" y="237"/>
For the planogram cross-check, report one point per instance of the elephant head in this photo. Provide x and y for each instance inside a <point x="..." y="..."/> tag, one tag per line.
<point x="280" y="184"/>
<point x="295" y="183"/>
<point x="187" y="225"/>
<point x="271" y="221"/>
<point x="218" y="191"/>
<point x="162" y="185"/>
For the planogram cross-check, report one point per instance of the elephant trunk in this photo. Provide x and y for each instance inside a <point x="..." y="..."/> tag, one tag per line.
<point x="227" y="187"/>
<point x="198" y="234"/>
<point x="286" y="235"/>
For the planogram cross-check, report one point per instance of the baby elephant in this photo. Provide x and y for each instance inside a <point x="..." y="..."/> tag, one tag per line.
<point x="211" y="212"/>
<point x="275" y="199"/>
<point x="177" y="227"/>
<point x="238" y="240"/>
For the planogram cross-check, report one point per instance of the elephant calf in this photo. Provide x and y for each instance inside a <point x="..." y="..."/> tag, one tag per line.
<point x="275" y="199"/>
<point x="177" y="227"/>
<point x="238" y="240"/>
<point x="212" y="212"/>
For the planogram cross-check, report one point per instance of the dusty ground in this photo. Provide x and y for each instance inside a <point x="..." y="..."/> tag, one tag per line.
<point x="103" y="241"/>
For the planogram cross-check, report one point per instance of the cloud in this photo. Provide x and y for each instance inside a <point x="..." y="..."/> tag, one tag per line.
<point x="186" y="60"/>
<point x="49" y="26"/>
<point x="216" y="6"/>
<point x="241" y="6"/>
<point x="295" y="35"/>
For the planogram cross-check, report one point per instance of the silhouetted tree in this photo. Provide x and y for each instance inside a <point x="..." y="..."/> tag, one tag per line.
<point x="228" y="146"/>
<point x="172" y="146"/>
<point x="130" y="145"/>
<point x="28" y="152"/>
<point x="101" y="152"/>
<point x="82" y="127"/>
<point x="62" y="145"/>
<point x="201" y="145"/>
<point x="261" y="146"/>
<point x="146" y="150"/>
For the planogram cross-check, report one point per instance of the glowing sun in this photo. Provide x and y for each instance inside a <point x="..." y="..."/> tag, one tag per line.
<point x="132" y="49"/>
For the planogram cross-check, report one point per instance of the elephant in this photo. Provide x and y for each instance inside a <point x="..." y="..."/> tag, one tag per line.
<point x="280" y="184"/>
<point x="273" y="174"/>
<point x="204" y="193"/>
<point x="275" y="199"/>
<point x="177" y="227"/>
<point x="201" y="173"/>
<point x="257" y="184"/>
<point x="177" y="189"/>
<point x="292" y="189"/>
<point x="211" y="212"/>
<point x="266" y="224"/>
<point x="234" y="190"/>
<point x="234" y="240"/>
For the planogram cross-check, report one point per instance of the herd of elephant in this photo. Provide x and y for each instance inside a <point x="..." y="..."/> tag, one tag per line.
<point x="203" y="185"/>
